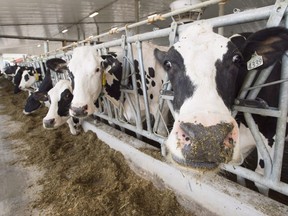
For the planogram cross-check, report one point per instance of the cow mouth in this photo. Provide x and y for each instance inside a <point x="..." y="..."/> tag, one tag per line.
<point x="202" y="147"/>
<point x="195" y="164"/>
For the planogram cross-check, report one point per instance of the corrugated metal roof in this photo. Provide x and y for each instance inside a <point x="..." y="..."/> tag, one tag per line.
<point x="46" y="19"/>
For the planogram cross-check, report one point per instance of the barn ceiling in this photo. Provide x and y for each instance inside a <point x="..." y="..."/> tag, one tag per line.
<point x="45" y="19"/>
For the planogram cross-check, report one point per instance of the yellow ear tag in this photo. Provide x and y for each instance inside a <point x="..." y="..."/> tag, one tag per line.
<point x="36" y="75"/>
<point x="103" y="79"/>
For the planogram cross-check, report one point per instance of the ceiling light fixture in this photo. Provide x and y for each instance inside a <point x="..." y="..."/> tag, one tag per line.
<point x="93" y="14"/>
<point x="64" y="31"/>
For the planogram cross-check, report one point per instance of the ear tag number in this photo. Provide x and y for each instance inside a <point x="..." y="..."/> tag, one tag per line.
<point x="255" y="62"/>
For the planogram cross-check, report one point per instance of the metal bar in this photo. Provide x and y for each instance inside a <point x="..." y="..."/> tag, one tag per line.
<point x="36" y="38"/>
<point x="135" y="90"/>
<point x="281" y="121"/>
<point x="144" y="89"/>
<point x="267" y="84"/>
<point x="251" y="175"/>
<point x="144" y="133"/>
<point x="259" y="82"/>
<point x="277" y="13"/>
<point x="260" y="144"/>
<point x="258" y="111"/>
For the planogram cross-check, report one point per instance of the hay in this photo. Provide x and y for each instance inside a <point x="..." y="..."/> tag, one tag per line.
<point x="83" y="176"/>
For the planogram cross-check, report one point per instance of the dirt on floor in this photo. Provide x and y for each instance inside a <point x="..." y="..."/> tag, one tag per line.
<point x="82" y="175"/>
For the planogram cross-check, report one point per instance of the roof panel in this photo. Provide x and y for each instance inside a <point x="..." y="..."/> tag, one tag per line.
<point x="46" y="19"/>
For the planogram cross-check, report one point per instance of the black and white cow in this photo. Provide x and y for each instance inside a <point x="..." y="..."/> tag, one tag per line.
<point x="23" y="77"/>
<point x="35" y="99"/>
<point x="29" y="77"/>
<point x="90" y="69"/>
<point x="60" y="97"/>
<point x="206" y="71"/>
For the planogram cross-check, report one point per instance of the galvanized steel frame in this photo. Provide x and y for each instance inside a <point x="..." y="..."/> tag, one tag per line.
<point x="274" y="14"/>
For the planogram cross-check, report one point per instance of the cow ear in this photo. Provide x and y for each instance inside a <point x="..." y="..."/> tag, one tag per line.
<point x="40" y="96"/>
<point x="112" y="54"/>
<point x="56" y="64"/>
<point x="270" y="43"/>
<point x="159" y="55"/>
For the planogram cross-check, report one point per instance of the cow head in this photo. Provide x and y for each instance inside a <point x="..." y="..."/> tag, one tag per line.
<point x="29" y="77"/>
<point x="60" y="97"/>
<point x="33" y="102"/>
<point x="86" y="68"/>
<point x="204" y="68"/>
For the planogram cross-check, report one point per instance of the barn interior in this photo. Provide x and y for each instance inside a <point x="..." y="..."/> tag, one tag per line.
<point x="35" y="30"/>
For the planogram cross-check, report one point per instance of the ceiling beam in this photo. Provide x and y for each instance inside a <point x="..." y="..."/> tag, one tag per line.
<point x="41" y="24"/>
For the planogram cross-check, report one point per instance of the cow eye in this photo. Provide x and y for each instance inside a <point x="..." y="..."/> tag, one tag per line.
<point x="98" y="69"/>
<point x="237" y="59"/>
<point x="167" y="65"/>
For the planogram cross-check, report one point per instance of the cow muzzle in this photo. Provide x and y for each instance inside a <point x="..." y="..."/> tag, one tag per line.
<point x="79" y="112"/>
<point x="49" y="123"/>
<point x="203" y="147"/>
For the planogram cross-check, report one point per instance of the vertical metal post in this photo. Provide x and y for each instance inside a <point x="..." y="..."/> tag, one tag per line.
<point x="281" y="122"/>
<point x="143" y="80"/>
<point x="135" y="90"/>
<point x="221" y="6"/>
<point x="46" y="46"/>
<point x="137" y="9"/>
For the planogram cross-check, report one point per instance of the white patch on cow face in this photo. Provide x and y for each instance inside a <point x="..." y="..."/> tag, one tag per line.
<point x="27" y="84"/>
<point x="85" y="66"/>
<point x="55" y="96"/>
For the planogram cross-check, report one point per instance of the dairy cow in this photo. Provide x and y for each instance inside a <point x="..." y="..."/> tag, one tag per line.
<point x="29" y="77"/>
<point x="60" y="97"/>
<point x="206" y="71"/>
<point x="23" y="77"/>
<point x="90" y="69"/>
<point x="35" y="99"/>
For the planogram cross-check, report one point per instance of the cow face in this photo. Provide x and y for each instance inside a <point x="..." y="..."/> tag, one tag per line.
<point x="204" y="132"/>
<point x="28" y="79"/>
<point x="60" y="97"/>
<point x="206" y="70"/>
<point x="86" y="68"/>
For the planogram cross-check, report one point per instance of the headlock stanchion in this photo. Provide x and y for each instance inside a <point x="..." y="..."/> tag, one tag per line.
<point x="115" y="115"/>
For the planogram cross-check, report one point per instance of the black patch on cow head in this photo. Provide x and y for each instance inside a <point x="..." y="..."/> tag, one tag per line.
<point x="26" y="77"/>
<point x="64" y="103"/>
<point x="75" y="120"/>
<point x="226" y="74"/>
<point x="32" y="104"/>
<point x="17" y="79"/>
<point x="31" y="73"/>
<point x="173" y="63"/>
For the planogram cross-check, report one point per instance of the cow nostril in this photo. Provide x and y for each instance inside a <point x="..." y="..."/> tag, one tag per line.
<point x="85" y="107"/>
<point x="49" y="122"/>
<point x="52" y="121"/>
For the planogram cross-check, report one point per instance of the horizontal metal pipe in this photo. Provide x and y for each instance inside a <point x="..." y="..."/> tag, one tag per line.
<point x="251" y="175"/>
<point x="147" y="134"/>
<point x="265" y="112"/>
<point x="36" y="38"/>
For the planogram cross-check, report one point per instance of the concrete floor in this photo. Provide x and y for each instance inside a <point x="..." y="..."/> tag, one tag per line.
<point x="18" y="186"/>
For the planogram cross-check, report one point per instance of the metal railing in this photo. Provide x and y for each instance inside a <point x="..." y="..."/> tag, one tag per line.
<point x="114" y="115"/>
